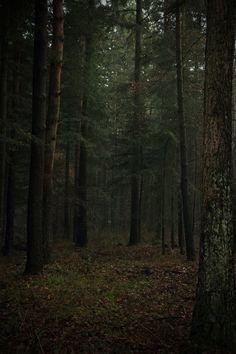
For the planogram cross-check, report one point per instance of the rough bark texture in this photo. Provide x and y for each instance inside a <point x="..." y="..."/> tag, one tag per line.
<point x="214" y="314"/>
<point x="52" y="122"/>
<point x="190" y="252"/>
<point x="34" y="262"/>
<point x="135" y="221"/>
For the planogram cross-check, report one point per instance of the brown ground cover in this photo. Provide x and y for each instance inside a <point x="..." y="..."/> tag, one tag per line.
<point x="118" y="300"/>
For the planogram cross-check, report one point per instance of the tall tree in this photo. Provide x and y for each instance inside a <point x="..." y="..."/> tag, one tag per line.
<point x="67" y="192"/>
<point x="190" y="252"/>
<point x="34" y="262"/>
<point x="81" y="238"/>
<point x="52" y="121"/>
<point x="11" y="178"/>
<point x="163" y="199"/>
<point x="3" y="108"/>
<point x="214" y="317"/>
<point x="135" y="222"/>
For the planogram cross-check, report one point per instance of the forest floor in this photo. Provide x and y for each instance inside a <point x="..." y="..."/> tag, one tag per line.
<point x="116" y="300"/>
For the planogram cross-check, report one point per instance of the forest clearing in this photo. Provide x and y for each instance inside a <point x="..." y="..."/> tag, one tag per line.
<point x="115" y="300"/>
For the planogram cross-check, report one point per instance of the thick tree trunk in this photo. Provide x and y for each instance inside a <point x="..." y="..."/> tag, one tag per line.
<point x="182" y="134"/>
<point x="3" y="113"/>
<point x="135" y="222"/>
<point x="52" y="122"/>
<point x="214" y="317"/>
<point x="34" y="262"/>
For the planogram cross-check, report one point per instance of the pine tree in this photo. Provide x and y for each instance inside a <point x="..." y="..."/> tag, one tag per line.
<point x="52" y="121"/>
<point x="214" y="317"/>
<point x="34" y="262"/>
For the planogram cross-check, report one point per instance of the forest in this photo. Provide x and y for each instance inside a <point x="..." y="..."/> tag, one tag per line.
<point x="117" y="176"/>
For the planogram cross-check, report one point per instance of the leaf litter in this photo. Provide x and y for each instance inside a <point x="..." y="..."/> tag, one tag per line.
<point x="120" y="300"/>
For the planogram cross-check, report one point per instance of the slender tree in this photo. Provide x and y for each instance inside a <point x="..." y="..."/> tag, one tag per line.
<point x="172" y="232"/>
<point x="34" y="262"/>
<point x="180" y="225"/>
<point x="52" y="121"/>
<point x="80" y="223"/>
<point x="214" y="317"/>
<point x="135" y="222"/>
<point x="67" y="192"/>
<point x="11" y="160"/>
<point x="182" y="137"/>
<point x="163" y="199"/>
<point x="3" y="109"/>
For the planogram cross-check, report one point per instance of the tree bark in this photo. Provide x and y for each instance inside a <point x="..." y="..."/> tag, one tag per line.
<point x="135" y="223"/>
<point x="172" y="233"/>
<point x="34" y="262"/>
<point x="81" y="238"/>
<point x="3" y="112"/>
<point x="52" y="122"/>
<point x="67" y="193"/>
<point x="10" y="193"/>
<point x="163" y="197"/>
<point x="190" y="251"/>
<point x="180" y="225"/>
<point x="234" y="157"/>
<point x="81" y="224"/>
<point x="214" y="317"/>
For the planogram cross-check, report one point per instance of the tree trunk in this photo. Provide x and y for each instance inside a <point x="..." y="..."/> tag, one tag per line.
<point x="81" y="224"/>
<point x="10" y="194"/>
<point x="163" y="197"/>
<point x="34" y="262"/>
<point x="172" y="233"/>
<point x="10" y="210"/>
<point x="3" y="112"/>
<point x="80" y="233"/>
<point x="76" y="178"/>
<point x="195" y="187"/>
<point x="52" y="122"/>
<point x="182" y="134"/>
<point x="214" y="317"/>
<point x="67" y="193"/>
<point x="135" y="236"/>
<point x="234" y="157"/>
<point x="180" y="224"/>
